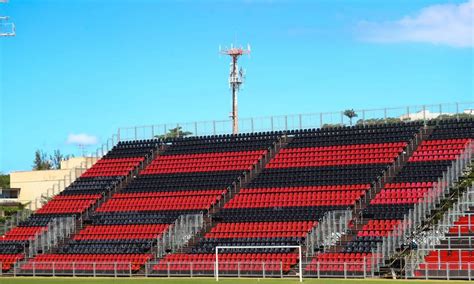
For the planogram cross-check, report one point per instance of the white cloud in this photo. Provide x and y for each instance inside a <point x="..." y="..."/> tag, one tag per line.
<point x="81" y="139"/>
<point x="446" y="24"/>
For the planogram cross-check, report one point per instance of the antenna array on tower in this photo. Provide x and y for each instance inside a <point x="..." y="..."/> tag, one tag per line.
<point x="236" y="78"/>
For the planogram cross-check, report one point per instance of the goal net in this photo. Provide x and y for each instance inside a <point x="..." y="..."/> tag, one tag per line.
<point x="221" y="248"/>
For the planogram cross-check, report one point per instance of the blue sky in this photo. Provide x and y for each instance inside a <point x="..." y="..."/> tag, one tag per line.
<point x="89" y="67"/>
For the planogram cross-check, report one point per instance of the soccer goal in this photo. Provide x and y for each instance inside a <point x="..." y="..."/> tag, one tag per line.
<point x="259" y="247"/>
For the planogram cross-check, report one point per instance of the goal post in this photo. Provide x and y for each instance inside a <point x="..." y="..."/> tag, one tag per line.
<point x="259" y="247"/>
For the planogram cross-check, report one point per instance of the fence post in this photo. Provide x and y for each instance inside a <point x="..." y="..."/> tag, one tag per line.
<point x="317" y="266"/>
<point x="94" y="269"/>
<point x="426" y="272"/>
<point x="469" y="271"/>
<point x="365" y="267"/>
<point x="457" y="111"/>
<point x="73" y="269"/>
<point x="345" y="270"/>
<point x="300" y="121"/>
<point x="281" y="269"/>
<point x="238" y="269"/>
<point x="263" y="269"/>
<point x="191" y="269"/>
<point x="447" y="271"/>
<point x="424" y="114"/>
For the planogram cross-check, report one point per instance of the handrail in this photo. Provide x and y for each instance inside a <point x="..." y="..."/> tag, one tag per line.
<point x="403" y="232"/>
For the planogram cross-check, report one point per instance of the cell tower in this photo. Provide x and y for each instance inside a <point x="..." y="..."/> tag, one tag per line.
<point x="7" y="28"/>
<point x="236" y="78"/>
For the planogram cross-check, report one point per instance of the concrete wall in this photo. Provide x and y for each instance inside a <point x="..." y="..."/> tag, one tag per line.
<point x="34" y="183"/>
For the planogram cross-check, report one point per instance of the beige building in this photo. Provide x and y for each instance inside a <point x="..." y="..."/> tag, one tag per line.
<point x="34" y="184"/>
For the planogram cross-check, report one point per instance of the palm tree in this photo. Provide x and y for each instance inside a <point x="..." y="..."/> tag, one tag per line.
<point x="350" y="113"/>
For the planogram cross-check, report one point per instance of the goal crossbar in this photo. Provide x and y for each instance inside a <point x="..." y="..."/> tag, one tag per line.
<point x="259" y="247"/>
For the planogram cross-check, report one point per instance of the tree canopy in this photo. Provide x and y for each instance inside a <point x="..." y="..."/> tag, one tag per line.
<point x="174" y="133"/>
<point x="350" y="113"/>
<point x="4" y="181"/>
<point x="53" y="162"/>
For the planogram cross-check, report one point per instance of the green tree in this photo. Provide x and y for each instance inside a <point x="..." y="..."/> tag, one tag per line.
<point x="56" y="159"/>
<point x="350" y="113"/>
<point x="41" y="161"/>
<point x="373" y="121"/>
<point x="175" y="132"/>
<point x="4" y="181"/>
<point x="329" y="125"/>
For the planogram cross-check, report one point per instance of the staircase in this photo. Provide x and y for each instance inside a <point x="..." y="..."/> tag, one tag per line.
<point x="358" y="220"/>
<point x="233" y="190"/>
<point x="439" y="220"/>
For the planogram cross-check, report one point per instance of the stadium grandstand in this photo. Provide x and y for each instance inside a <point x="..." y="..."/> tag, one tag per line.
<point x="376" y="199"/>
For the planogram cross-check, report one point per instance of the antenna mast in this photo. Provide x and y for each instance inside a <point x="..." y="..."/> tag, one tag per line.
<point x="236" y="78"/>
<point x="7" y="28"/>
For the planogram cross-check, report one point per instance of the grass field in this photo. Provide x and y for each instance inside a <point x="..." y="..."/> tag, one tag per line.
<point x="38" y="280"/>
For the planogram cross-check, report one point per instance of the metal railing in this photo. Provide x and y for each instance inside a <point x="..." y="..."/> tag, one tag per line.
<point x="449" y="270"/>
<point x="388" y="174"/>
<point x="179" y="233"/>
<point x="403" y="233"/>
<point x="300" y="121"/>
<point x="328" y="231"/>
<point x="430" y="240"/>
<point x="269" y="269"/>
<point x="57" y="230"/>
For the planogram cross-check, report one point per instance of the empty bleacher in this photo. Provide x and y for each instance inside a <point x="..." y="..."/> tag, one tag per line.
<point x="318" y="171"/>
<point x="189" y="176"/>
<point x="78" y="198"/>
